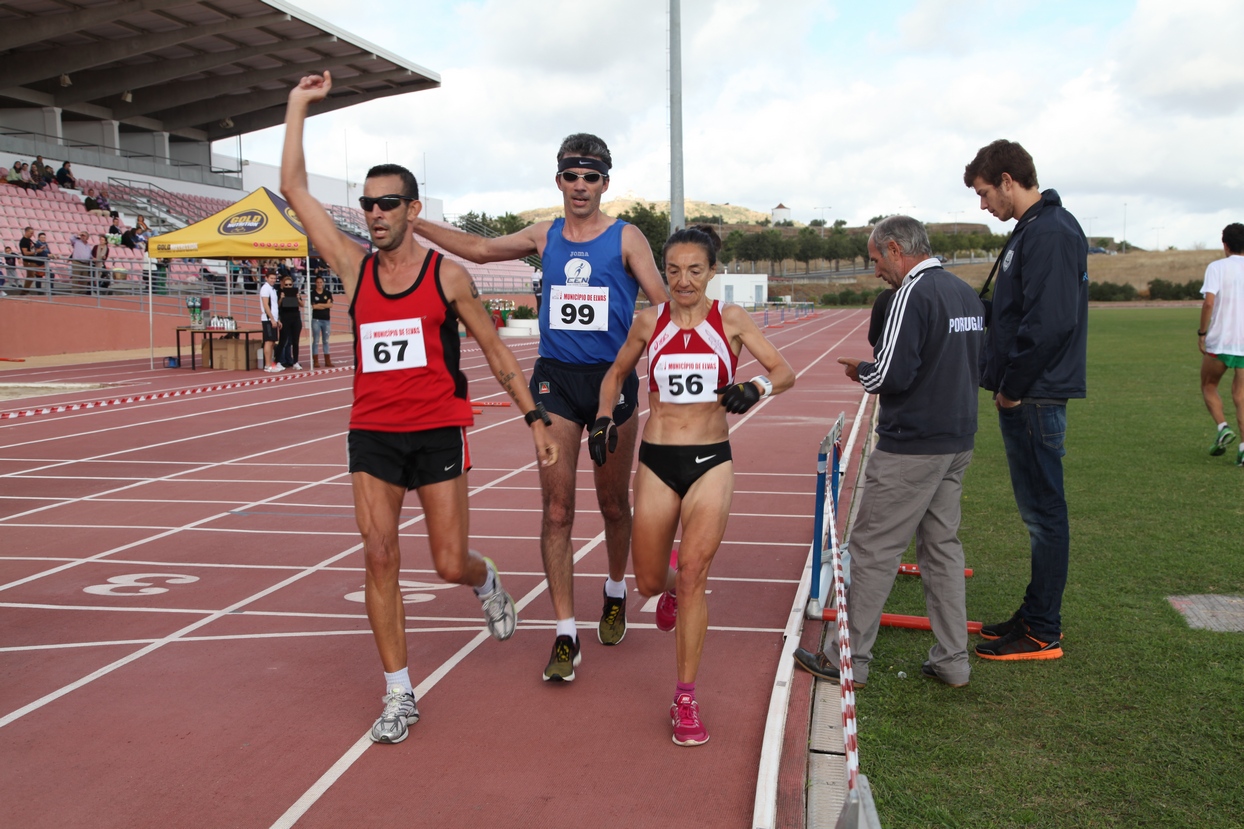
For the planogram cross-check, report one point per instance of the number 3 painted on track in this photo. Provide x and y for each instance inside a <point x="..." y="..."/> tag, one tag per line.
<point x="144" y="582"/>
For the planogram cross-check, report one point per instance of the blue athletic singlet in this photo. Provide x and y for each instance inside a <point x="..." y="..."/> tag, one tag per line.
<point x="588" y="297"/>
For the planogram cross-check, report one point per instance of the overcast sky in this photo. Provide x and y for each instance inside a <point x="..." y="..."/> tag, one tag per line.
<point x="858" y="108"/>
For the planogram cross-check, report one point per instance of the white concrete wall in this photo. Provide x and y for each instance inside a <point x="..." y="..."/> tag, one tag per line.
<point x="739" y="288"/>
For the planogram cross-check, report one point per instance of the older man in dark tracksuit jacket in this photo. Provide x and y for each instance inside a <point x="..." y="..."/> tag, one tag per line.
<point x="1035" y="360"/>
<point x="926" y="371"/>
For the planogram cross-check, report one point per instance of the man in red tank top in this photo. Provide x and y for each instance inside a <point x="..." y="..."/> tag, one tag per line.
<point x="408" y="423"/>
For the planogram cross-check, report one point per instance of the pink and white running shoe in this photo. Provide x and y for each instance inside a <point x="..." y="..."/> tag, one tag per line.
<point x="667" y="611"/>
<point x="685" y="716"/>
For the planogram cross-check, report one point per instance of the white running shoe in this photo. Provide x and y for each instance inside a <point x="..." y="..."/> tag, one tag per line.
<point x="399" y="712"/>
<point x="499" y="609"/>
<point x="275" y="368"/>
<point x="297" y="366"/>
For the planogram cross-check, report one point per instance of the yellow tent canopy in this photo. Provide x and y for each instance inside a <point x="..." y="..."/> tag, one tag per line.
<point x="262" y="225"/>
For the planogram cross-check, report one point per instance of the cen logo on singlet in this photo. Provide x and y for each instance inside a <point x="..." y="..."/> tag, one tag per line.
<point x="578" y="271"/>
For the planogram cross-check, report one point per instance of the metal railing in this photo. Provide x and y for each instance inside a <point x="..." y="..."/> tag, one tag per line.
<point x="481" y="229"/>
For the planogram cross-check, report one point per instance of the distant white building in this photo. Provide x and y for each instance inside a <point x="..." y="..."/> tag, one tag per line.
<point x="746" y="289"/>
<point x="781" y="213"/>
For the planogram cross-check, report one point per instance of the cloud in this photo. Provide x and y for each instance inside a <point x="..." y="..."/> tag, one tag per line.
<point x="871" y="109"/>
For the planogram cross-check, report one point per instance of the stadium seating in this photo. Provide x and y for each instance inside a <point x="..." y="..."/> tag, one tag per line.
<point x="60" y="214"/>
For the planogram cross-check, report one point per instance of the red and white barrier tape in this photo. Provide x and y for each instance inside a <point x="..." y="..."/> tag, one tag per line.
<point x="846" y="681"/>
<point x="164" y="395"/>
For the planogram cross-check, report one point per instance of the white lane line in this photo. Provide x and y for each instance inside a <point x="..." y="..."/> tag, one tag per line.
<point x="326" y="780"/>
<point x="308" y="799"/>
<point x="306" y="634"/>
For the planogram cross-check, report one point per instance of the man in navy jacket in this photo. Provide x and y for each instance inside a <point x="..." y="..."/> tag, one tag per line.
<point x="1034" y="362"/>
<point x="925" y="372"/>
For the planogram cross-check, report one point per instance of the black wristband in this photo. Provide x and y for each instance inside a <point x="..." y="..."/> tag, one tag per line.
<point x="1201" y="333"/>
<point x="538" y="413"/>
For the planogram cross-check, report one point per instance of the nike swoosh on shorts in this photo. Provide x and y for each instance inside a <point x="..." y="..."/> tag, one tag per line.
<point x="698" y="459"/>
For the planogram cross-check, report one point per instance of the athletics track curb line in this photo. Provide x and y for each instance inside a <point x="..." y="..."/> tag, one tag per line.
<point x="164" y="395"/>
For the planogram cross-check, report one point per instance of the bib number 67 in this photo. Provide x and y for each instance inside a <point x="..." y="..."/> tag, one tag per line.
<point x="382" y="354"/>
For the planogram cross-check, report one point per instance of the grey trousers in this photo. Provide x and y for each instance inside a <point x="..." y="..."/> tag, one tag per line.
<point x="907" y="495"/>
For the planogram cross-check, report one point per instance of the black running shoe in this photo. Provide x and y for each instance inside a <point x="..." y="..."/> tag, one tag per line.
<point x="564" y="659"/>
<point x="1000" y="629"/>
<point x="1020" y="644"/>
<point x="927" y="670"/>
<point x="612" y="626"/>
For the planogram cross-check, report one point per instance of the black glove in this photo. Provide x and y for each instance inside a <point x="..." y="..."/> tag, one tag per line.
<point x="739" y="397"/>
<point x="603" y="433"/>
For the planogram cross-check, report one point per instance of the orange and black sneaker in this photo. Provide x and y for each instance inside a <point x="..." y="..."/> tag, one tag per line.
<point x="1000" y="629"/>
<point x="1020" y="643"/>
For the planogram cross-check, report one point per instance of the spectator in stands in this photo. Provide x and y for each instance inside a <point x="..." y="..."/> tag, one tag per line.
<point x="249" y="285"/>
<point x="321" y="309"/>
<point x="80" y="257"/>
<point x="10" y="270"/>
<point x="104" y="204"/>
<point x="101" y="280"/>
<point x="115" y="229"/>
<point x="141" y="232"/>
<point x="26" y="245"/>
<point x="65" y="177"/>
<point x="36" y="175"/>
<point x="91" y="203"/>
<point x="130" y="239"/>
<point x="43" y="257"/>
<point x="15" y="174"/>
<point x="26" y="181"/>
<point x="290" y="305"/>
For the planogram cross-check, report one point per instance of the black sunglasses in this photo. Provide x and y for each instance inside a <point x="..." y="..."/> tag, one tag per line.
<point x="387" y="203"/>
<point x="590" y="178"/>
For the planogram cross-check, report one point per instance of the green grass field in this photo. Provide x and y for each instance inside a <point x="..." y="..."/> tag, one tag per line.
<point x="1141" y="723"/>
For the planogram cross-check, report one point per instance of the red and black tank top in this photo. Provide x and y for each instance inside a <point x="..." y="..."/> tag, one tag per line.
<point x="686" y="365"/>
<point x="406" y="375"/>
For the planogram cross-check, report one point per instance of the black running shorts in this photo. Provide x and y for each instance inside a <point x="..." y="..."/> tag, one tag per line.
<point x="679" y="467"/>
<point x="409" y="459"/>
<point x="270" y="334"/>
<point x="573" y="391"/>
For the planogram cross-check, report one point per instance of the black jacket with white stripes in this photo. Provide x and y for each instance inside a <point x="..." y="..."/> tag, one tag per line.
<point x="926" y="365"/>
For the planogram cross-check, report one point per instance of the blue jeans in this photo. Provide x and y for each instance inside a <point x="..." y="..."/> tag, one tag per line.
<point x="319" y="336"/>
<point x="1033" y="436"/>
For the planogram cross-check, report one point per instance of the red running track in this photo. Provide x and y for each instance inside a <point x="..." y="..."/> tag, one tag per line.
<point x="182" y="640"/>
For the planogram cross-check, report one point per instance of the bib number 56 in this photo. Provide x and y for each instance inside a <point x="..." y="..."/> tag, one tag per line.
<point x="694" y="384"/>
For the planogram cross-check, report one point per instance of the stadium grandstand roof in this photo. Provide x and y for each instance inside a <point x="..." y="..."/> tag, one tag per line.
<point x="198" y="69"/>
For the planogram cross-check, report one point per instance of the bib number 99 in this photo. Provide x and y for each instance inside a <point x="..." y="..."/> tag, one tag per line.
<point x="583" y="315"/>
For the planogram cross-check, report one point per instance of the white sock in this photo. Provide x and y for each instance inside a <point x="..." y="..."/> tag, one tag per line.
<point x="566" y="627"/>
<point x="1222" y="425"/>
<point x="1242" y="447"/>
<point x="615" y="589"/>
<point x="401" y="678"/>
<point x="489" y="585"/>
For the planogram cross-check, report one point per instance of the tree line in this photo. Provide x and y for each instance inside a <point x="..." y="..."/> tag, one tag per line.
<point x="816" y="243"/>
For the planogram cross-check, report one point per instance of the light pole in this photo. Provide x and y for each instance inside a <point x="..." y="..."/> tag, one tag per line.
<point x="1157" y="237"/>
<point x="1090" y="233"/>
<point x="956" y="214"/>
<point x="1125" y="228"/>
<point x="823" y="209"/>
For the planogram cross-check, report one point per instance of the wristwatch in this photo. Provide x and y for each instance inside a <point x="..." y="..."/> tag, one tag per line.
<point x="538" y="413"/>
<point x="766" y="385"/>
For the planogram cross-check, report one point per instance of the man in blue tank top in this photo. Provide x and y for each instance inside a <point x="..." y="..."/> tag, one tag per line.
<point x="594" y="266"/>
